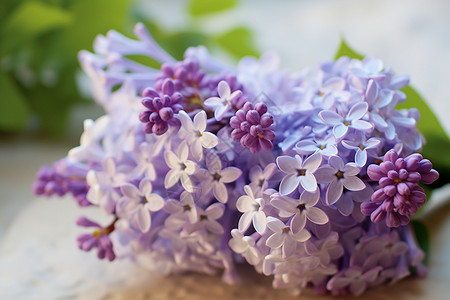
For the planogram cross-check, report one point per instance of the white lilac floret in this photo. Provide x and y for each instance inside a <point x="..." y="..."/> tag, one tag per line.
<point x="311" y="177"/>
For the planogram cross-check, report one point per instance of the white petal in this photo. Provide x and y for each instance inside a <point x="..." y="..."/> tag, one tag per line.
<point x="333" y="84"/>
<point x="289" y="184"/>
<point x="288" y="164"/>
<point x="308" y="182"/>
<point x="316" y="215"/>
<point x="361" y="158"/>
<point x="186" y="183"/>
<point x="214" y="227"/>
<point x="310" y="199"/>
<point x="334" y="191"/>
<point x="220" y="111"/>
<point x="186" y="121"/>
<point x="155" y="202"/>
<point x="298" y="222"/>
<point x="220" y="192"/>
<point x="142" y="219"/>
<point x="223" y="89"/>
<point x="275" y="224"/>
<point x="245" y="203"/>
<point x="130" y="191"/>
<point x="190" y="167"/>
<point x="213" y="102"/>
<point x="215" y="211"/>
<point x="230" y="174"/>
<point x="361" y="125"/>
<point x="336" y="162"/>
<point x="325" y="174"/>
<point x="259" y="221"/>
<point x="171" y="160"/>
<point x="197" y="150"/>
<point x="276" y="240"/>
<point x="200" y="121"/>
<point x="353" y="183"/>
<point x="301" y="236"/>
<point x="306" y="147"/>
<point x="357" y="111"/>
<point x="209" y="140"/>
<point x="245" y="221"/>
<point x="183" y="151"/>
<point x="313" y="162"/>
<point x="171" y="178"/>
<point x="330" y="117"/>
<point x="340" y="130"/>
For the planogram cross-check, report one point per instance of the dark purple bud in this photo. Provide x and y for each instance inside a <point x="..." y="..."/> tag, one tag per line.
<point x="266" y="144"/>
<point x="157" y="104"/>
<point x="154" y="117"/>
<point x="253" y="117"/>
<point x="144" y="116"/>
<point x="234" y="122"/>
<point x="166" y="113"/>
<point x="266" y="120"/>
<point x="166" y="100"/>
<point x="245" y="126"/>
<point x="85" y="222"/>
<point x="149" y="93"/>
<point x="430" y="177"/>
<point x="261" y="108"/>
<point x="160" y="128"/>
<point x="167" y="87"/>
<point x="240" y="114"/>
<point x="248" y="106"/>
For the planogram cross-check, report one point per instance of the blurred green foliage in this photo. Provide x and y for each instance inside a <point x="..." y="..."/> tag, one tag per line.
<point x="40" y="40"/>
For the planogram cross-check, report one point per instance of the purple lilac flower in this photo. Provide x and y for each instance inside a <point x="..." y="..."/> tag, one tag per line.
<point x="361" y="145"/>
<point x="252" y="127"/>
<point x="162" y="108"/>
<point x="300" y="210"/>
<point x="225" y="100"/>
<point x="325" y="146"/>
<point x="259" y="178"/>
<point x="339" y="176"/>
<point x="98" y="239"/>
<point x="216" y="177"/>
<point x="298" y="172"/>
<point x="180" y="168"/>
<point x="253" y="211"/>
<point x="284" y="237"/>
<point x="355" y="279"/>
<point x="399" y="194"/>
<point x="351" y="120"/>
<point x="194" y="133"/>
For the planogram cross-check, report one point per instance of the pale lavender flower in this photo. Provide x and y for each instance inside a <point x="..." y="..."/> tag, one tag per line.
<point x="222" y="103"/>
<point x="355" y="279"/>
<point x="298" y="172"/>
<point x="207" y="219"/>
<point x="351" y="120"/>
<point x="195" y="135"/>
<point x="138" y="203"/>
<point x="180" y="168"/>
<point x="245" y="245"/>
<point x="259" y="178"/>
<point x="252" y="209"/>
<point x="184" y="210"/>
<point x="216" y="177"/>
<point x="144" y="163"/>
<point x="300" y="210"/>
<point x="326" y="250"/>
<point x="283" y="236"/>
<point x="339" y="176"/>
<point x="361" y="145"/>
<point x="325" y="146"/>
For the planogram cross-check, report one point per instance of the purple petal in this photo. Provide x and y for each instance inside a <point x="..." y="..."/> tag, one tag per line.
<point x="312" y="162"/>
<point x="340" y="130"/>
<point x="330" y="117"/>
<point x="357" y="111"/>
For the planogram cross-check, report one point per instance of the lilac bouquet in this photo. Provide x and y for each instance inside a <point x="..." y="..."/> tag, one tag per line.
<point x="310" y="177"/>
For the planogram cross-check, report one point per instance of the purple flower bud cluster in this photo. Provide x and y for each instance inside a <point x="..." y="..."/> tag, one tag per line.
<point x="98" y="239"/>
<point x="186" y="76"/>
<point x="61" y="179"/>
<point x="197" y="177"/>
<point x="162" y="108"/>
<point x="399" y="194"/>
<point x="252" y="127"/>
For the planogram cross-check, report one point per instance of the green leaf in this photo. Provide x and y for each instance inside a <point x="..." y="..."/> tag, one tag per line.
<point x="345" y="50"/>
<point x="203" y="7"/>
<point x="13" y="108"/>
<point x="422" y="237"/>
<point x="28" y="21"/>
<point x="428" y="123"/>
<point x="238" y="42"/>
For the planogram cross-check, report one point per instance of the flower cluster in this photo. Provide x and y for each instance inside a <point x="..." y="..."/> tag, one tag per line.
<point x="200" y="164"/>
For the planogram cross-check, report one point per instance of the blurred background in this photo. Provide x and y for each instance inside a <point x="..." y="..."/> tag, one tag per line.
<point x="44" y="96"/>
